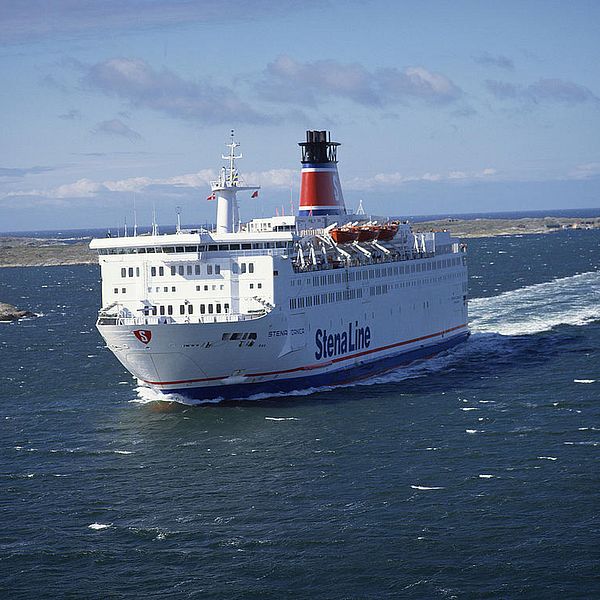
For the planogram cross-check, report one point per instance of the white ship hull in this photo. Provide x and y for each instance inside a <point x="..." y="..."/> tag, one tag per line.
<point x="283" y="351"/>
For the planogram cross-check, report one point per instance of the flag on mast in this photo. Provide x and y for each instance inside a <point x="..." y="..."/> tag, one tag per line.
<point x="254" y="194"/>
<point x="212" y="197"/>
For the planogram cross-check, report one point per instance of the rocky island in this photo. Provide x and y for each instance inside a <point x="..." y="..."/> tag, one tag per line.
<point x="38" y="252"/>
<point x="10" y="313"/>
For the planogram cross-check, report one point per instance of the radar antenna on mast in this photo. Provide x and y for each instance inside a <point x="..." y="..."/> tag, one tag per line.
<point x="231" y="173"/>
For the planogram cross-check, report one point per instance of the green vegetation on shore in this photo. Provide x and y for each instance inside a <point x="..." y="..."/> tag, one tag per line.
<point x="34" y="252"/>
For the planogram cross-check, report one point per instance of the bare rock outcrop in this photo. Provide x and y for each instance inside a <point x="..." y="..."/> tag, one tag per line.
<point x="10" y="313"/>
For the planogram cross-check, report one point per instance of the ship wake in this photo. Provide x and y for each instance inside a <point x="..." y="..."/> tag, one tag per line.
<point x="497" y="323"/>
<point x="536" y="308"/>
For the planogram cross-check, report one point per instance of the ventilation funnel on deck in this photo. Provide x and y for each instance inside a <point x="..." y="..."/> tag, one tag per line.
<point x="320" y="189"/>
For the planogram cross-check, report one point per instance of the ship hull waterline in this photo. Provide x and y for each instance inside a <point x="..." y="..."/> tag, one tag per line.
<point x="339" y="377"/>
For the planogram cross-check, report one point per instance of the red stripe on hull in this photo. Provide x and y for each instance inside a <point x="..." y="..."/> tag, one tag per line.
<point x="314" y="365"/>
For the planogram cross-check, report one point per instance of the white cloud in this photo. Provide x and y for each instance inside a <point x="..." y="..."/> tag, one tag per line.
<point x="543" y="91"/>
<point x="116" y="127"/>
<point x="287" y="80"/>
<point x="136" y="81"/>
<point x="273" y="179"/>
<point x="396" y="179"/>
<point x="585" y="171"/>
<point x="83" y="188"/>
<point x="31" y="20"/>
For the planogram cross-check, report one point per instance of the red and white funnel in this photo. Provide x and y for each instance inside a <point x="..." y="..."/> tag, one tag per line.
<point x="320" y="189"/>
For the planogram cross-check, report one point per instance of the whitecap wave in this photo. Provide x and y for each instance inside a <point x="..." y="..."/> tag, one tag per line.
<point x="99" y="526"/>
<point x="535" y="308"/>
<point x="147" y="395"/>
<point x="425" y="487"/>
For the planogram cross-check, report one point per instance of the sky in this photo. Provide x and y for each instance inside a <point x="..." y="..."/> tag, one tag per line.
<point x="441" y="107"/>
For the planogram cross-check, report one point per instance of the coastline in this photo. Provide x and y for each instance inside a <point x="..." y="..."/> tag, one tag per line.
<point x="47" y="252"/>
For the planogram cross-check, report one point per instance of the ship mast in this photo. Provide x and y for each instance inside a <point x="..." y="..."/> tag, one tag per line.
<point x="225" y="189"/>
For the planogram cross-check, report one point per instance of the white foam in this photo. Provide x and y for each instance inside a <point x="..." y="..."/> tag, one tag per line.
<point x="586" y="443"/>
<point x="146" y="395"/>
<point x="122" y="452"/>
<point x="471" y="431"/>
<point x="469" y="408"/>
<point x="485" y="476"/>
<point x="584" y="381"/>
<point x="281" y="419"/>
<point x="540" y="307"/>
<point x="98" y="526"/>
<point x="547" y="458"/>
<point x="424" y="487"/>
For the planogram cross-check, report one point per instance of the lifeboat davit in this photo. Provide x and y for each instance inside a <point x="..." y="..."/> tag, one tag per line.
<point x="343" y="235"/>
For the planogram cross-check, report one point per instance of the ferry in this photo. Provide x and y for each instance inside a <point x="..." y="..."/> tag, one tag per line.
<point x="280" y="304"/>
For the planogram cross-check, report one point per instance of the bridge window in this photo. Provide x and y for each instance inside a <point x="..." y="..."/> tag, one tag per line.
<point x="189" y="269"/>
<point x="170" y="309"/>
<point x="197" y="271"/>
<point x="181" y="269"/>
<point x="161" y="271"/>
<point x="250" y="267"/>
<point x="217" y="269"/>
<point x="209" y="269"/>
<point x="173" y="270"/>
<point x="123" y="272"/>
<point x="130" y="273"/>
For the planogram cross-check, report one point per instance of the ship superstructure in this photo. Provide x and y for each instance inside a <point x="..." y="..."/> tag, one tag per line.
<point x="280" y="303"/>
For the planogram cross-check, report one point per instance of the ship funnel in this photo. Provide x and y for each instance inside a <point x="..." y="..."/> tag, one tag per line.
<point x="320" y="189"/>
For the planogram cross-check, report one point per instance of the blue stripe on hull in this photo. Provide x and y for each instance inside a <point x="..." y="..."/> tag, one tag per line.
<point x="338" y="377"/>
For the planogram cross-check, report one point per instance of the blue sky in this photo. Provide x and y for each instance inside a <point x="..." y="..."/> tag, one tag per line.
<point x="441" y="107"/>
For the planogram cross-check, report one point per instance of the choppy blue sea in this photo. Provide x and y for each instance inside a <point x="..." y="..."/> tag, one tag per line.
<point x="473" y="475"/>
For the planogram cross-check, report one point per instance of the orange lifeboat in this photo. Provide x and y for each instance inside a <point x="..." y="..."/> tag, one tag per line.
<point x="387" y="232"/>
<point x="367" y="233"/>
<point x="343" y="235"/>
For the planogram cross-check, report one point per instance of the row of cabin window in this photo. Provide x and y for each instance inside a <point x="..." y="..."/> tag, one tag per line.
<point x="187" y="309"/>
<point x="185" y="270"/>
<point x="201" y="248"/>
<point x="377" y="290"/>
<point x="318" y="299"/>
<point x="382" y="272"/>
<point x="128" y="272"/>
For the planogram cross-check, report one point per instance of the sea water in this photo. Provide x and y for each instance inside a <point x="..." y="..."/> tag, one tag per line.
<point x="472" y="475"/>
